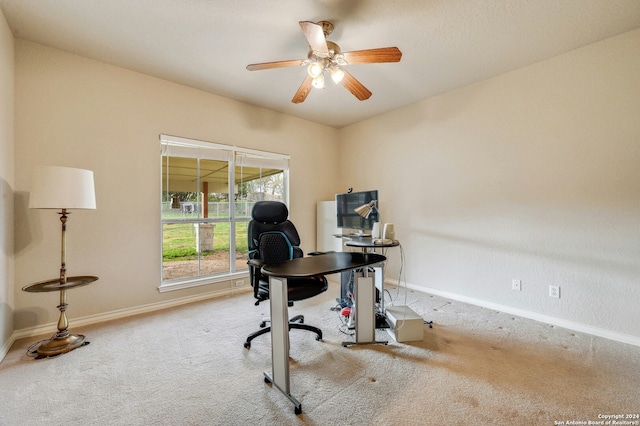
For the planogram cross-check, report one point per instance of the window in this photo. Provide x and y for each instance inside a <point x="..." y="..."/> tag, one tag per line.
<point x="207" y="193"/>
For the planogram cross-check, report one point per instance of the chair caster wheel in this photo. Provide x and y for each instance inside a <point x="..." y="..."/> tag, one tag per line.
<point x="247" y="345"/>
<point x="298" y="410"/>
<point x="267" y="381"/>
<point x="318" y="337"/>
<point x="263" y="324"/>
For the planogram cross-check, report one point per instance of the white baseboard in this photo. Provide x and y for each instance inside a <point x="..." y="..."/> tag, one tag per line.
<point x="121" y="313"/>
<point x="4" y="350"/>
<point x="547" y="319"/>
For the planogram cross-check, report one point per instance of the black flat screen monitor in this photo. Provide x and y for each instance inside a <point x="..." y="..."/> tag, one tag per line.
<point x="345" y="209"/>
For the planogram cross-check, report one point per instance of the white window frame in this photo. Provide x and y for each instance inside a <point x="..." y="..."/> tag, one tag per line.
<point x="192" y="148"/>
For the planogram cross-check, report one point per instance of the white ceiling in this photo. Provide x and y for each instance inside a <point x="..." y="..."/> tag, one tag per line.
<point x="207" y="44"/>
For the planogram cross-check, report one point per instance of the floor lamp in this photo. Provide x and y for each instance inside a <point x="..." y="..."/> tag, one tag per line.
<point x="62" y="188"/>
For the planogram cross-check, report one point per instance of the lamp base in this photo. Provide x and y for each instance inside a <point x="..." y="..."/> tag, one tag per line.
<point x="60" y="345"/>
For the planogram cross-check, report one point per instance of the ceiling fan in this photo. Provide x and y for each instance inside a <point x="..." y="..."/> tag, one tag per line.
<point x="326" y="56"/>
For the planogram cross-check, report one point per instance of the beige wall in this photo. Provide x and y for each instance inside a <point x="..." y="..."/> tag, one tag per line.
<point x="531" y="175"/>
<point x="6" y="185"/>
<point x="76" y="112"/>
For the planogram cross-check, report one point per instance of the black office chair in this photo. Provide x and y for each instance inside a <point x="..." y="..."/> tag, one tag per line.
<point x="274" y="239"/>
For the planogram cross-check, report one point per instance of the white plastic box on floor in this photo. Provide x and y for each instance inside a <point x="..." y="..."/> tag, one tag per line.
<point x="405" y="325"/>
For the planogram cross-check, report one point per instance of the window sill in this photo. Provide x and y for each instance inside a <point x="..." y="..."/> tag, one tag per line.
<point x="197" y="282"/>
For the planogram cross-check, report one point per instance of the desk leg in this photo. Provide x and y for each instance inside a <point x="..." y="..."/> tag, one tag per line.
<point x="280" y="339"/>
<point x="365" y="295"/>
<point x="379" y="280"/>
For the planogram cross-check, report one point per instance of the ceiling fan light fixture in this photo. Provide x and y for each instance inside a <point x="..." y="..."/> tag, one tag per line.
<point x="336" y="74"/>
<point x="315" y="69"/>
<point x="318" y="82"/>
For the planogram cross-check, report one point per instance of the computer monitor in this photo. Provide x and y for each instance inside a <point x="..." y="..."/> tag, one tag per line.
<point x="346" y="216"/>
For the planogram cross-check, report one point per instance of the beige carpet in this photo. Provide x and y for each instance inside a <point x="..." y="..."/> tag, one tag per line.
<point x="188" y="366"/>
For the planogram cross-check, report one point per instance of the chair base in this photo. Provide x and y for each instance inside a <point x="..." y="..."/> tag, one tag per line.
<point x="296" y="322"/>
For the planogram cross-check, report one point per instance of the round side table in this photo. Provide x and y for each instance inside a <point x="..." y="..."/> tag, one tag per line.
<point x="63" y="341"/>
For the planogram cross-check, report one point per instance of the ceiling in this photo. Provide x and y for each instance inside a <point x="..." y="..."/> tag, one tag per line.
<point x="206" y="44"/>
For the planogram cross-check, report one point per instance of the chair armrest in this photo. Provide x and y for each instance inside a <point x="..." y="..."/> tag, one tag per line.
<point x="317" y="253"/>
<point x="256" y="263"/>
<point x="254" y="276"/>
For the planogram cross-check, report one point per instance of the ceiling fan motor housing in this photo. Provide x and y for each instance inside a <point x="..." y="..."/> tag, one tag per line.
<point x="327" y="27"/>
<point x="334" y="53"/>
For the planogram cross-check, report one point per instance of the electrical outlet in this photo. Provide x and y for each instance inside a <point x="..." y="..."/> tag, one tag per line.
<point x="554" y="291"/>
<point x="516" y="285"/>
<point x="239" y="283"/>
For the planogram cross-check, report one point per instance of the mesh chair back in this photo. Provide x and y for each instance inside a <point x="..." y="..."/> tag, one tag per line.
<point x="272" y="238"/>
<point x="274" y="247"/>
<point x="271" y="217"/>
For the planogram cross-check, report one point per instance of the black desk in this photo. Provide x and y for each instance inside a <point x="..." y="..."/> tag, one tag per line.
<point x="323" y="264"/>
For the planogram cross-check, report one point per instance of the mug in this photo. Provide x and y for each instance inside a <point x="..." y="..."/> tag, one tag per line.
<point x="389" y="233"/>
<point x="375" y="230"/>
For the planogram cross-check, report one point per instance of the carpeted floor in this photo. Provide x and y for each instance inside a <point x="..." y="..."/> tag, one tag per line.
<point x="188" y="366"/>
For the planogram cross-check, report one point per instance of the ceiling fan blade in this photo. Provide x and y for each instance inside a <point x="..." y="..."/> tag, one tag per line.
<point x="277" y="64"/>
<point x="303" y="91"/>
<point x="370" y="56"/>
<point x="355" y="87"/>
<point x="315" y="36"/>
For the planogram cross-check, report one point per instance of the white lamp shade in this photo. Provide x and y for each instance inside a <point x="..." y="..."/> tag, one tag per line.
<point x="315" y="69"/>
<point x="336" y="74"/>
<point x="62" y="188"/>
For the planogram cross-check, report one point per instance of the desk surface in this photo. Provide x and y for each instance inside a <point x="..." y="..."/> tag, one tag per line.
<point x="322" y="264"/>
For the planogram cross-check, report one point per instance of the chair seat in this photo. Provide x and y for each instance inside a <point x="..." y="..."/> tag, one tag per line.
<point x="298" y="288"/>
